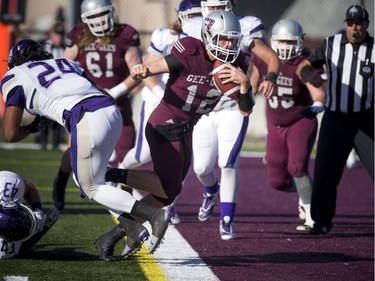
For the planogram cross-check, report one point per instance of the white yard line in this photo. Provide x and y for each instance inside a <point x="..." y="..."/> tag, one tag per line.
<point x="16" y="278"/>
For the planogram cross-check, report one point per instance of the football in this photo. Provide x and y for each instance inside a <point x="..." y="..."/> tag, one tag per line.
<point x="231" y="90"/>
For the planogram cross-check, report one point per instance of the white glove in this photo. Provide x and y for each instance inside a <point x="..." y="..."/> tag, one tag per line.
<point x="38" y="213"/>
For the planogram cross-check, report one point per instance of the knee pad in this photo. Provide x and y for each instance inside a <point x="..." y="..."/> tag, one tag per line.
<point x="201" y="170"/>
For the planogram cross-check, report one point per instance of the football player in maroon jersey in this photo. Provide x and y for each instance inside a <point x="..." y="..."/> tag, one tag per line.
<point x="189" y="93"/>
<point x="106" y="50"/>
<point x="291" y="118"/>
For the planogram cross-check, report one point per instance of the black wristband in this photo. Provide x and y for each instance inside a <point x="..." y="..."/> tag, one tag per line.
<point x="271" y="76"/>
<point x="36" y="205"/>
<point x="246" y="101"/>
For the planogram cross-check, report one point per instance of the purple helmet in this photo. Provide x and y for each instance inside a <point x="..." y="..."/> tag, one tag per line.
<point x="17" y="222"/>
<point x="26" y="50"/>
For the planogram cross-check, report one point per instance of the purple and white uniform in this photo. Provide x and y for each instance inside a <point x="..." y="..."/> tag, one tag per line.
<point x="56" y="90"/>
<point x="105" y="65"/>
<point x="12" y="189"/>
<point x="219" y="135"/>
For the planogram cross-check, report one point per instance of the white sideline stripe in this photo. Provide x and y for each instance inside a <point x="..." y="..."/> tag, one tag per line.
<point x="179" y="261"/>
<point x="16" y="278"/>
<point x="177" y="258"/>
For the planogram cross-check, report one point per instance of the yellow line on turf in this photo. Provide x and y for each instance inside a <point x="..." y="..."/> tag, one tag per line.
<point x="147" y="262"/>
<point x="150" y="266"/>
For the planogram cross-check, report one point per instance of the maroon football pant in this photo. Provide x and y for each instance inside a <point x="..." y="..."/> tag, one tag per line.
<point x="171" y="160"/>
<point x="288" y="151"/>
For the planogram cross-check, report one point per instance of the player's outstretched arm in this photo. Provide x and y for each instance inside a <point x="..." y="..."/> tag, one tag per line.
<point x="142" y="71"/>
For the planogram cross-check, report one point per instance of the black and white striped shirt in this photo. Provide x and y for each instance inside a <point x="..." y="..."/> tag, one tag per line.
<point x="350" y="71"/>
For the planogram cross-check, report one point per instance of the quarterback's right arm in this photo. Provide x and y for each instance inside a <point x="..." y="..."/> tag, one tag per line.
<point x="142" y="71"/>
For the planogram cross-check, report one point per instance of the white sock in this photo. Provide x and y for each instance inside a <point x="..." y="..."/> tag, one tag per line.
<point x="114" y="198"/>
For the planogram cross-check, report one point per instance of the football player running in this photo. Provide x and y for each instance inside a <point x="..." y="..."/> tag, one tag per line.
<point x="21" y="227"/>
<point x="56" y="89"/>
<point x="162" y="39"/>
<point x="106" y="50"/>
<point x="291" y="118"/>
<point x="189" y="94"/>
<point x="219" y="135"/>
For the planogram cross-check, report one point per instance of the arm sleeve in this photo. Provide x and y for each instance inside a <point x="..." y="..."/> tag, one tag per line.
<point x="174" y="65"/>
<point x="16" y="97"/>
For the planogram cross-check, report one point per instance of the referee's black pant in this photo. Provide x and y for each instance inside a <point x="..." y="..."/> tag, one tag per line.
<point x="338" y="134"/>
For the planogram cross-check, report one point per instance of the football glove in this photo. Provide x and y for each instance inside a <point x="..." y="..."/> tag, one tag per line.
<point x="39" y="124"/>
<point x="310" y="112"/>
<point x="52" y="216"/>
<point x="39" y="220"/>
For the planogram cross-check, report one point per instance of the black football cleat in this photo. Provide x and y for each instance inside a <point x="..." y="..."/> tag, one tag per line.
<point x="159" y="223"/>
<point x="105" y="247"/>
<point x="106" y="243"/>
<point x="316" y="230"/>
<point x="135" y="240"/>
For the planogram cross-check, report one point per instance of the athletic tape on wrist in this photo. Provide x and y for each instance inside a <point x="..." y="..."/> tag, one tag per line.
<point x="118" y="90"/>
<point x="271" y="76"/>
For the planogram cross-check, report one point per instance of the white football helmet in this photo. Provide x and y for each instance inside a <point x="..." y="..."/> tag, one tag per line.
<point x="287" y="37"/>
<point x="207" y="5"/>
<point x="98" y="15"/>
<point x="188" y="9"/>
<point x="222" y="25"/>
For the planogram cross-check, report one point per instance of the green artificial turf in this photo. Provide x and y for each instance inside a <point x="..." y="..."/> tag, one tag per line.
<point x="66" y="252"/>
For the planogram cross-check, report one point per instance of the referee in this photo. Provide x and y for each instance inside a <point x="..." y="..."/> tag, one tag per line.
<point x="348" y="120"/>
